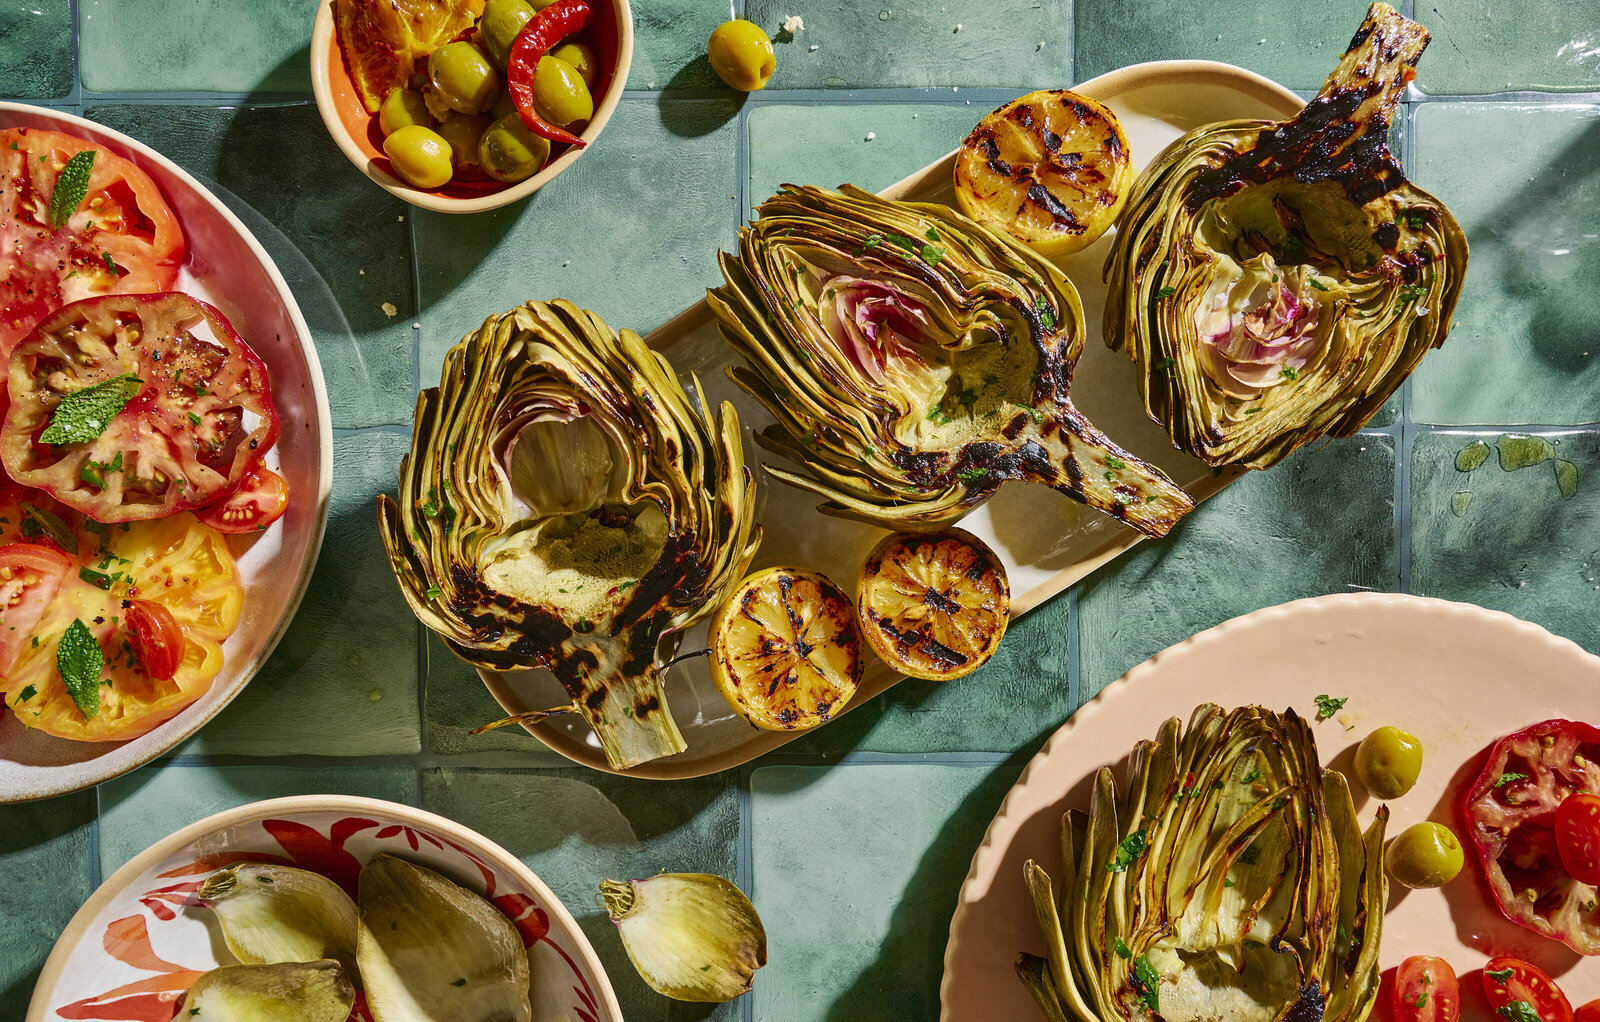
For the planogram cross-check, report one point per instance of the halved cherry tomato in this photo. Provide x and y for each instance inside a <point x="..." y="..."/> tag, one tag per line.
<point x="122" y="239"/>
<point x="259" y="501"/>
<point x="1509" y="982"/>
<point x="1587" y="1012"/>
<point x="202" y="419"/>
<point x="1425" y="990"/>
<point x="30" y="574"/>
<point x="156" y="636"/>
<point x="1509" y="814"/>
<point x="1578" y="836"/>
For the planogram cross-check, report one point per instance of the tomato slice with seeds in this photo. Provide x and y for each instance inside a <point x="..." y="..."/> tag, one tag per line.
<point x="156" y="637"/>
<point x="1510" y="983"/>
<point x="259" y="501"/>
<point x="201" y="421"/>
<point x="122" y="239"/>
<point x="1578" y="836"/>
<point x="30" y="574"/>
<point x="1509" y="814"/>
<point x="1426" y="990"/>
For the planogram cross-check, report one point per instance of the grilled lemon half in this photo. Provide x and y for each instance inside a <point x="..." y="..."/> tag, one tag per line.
<point x="933" y="605"/>
<point x="785" y="652"/>
<point x="1051" y="169"/>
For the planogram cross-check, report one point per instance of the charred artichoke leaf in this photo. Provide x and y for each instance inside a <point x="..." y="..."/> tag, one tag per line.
<point x="1226" y="878"/>
<point x="1276" y="282"/>
<point x="914" y="361"/>
<point x="565" y="505"/>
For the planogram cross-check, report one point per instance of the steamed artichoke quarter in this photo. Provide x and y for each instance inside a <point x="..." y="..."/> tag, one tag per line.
<point x="1227" y="879"/>
<point x="915" y="360"/>
<point x="1276" y="282"/>
<point x="565" y="506"/>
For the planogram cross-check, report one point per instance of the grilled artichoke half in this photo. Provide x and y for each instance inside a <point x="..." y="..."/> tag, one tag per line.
<point x="565" y="506"/>
<point x="1276" y="282"/>
<point x="1227" y="879"/>
<point x="915" y="360"/>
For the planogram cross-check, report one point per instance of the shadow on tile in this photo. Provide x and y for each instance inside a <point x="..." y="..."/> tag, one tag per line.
<point x="680" y="119"/>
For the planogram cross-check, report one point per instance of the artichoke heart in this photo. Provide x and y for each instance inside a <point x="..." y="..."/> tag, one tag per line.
<point x="915" y="361"/>
<point x="1276" y="282"/>
<point x="271" y="914"/>
<point x="692" y="936"/>
<point x="1227" y="879"/>
<point x="565" y="506"/>
<point x="316" y="991"/>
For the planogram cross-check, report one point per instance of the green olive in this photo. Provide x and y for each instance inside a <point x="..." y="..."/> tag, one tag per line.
<point x="559" y="93"/>
<point x="400" y="108"/>
<point x="498" y="28"/>
<point x="463" y="131"/>
<point x="503" y="106"/>
<point x="461" y="76"/>
<point x="1388" y="762"/>
<point x="1425" y="855"/>
<point x="582" y="57"/>
<point x="508" y="151"/>
<point x="540" y="5"/>
<point x="419" y="156"/>
<point x="741" y="55"/>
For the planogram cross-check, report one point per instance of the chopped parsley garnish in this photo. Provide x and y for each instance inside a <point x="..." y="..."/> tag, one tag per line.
<point x="1047" y="316"/>
<point x="1250" y="856"/>
<point x="84" y="414"/>
<point x="1121" y="948"/>
<point x="194" y="419"/>
<point x="1415" y="219"/>
<point x="1314" y="282"/>
<point x="1114" y="462"/>
<point x="1128" y="851"/>
<point x="30" y="691"/>
<point x="1327" y="706"/>
<point x="873" y="241"/>
<point x="933" y="234"/>
<point x="98" y="579"/>
<point x="1254" y="775"/>
<point x="1499" y="975"/>
<point x="80" y="661"/>
<point x="1411" y="292"/>
<point x="94" y="472"/>
<point x="1148" y="983"/>
<point x="434" y="592"/>
<point x="1227" y="881"/>
<point x="1507" y="778"/>
<point x="972" y="475"/>
<point x="1289" y="373"/>
<point x="1518" y="1011"/>
<point x="1166" y="292"/>
<point x="1166" y="363"/>
<point x="932" y="253"/>
<point x="72" y="184"/>
<point x="111" y="264"/>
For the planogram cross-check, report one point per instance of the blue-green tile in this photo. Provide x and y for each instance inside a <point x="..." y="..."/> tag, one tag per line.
<point x="630" y="231"/>
<point x="1320" y="522"/>
<point x="577" y="827"/>
<point x="343" y="682"/>
<point x="1510" y="540"/>
<point x="1526" y="345"/>
<point x="36" y="61"/>
<point x="140" y="808"/>
<point x="1296" y="45"/>
<point x="669" y="44"/>
<point x="1023" y="44"/>
<point x="340" y="240"/>
<point x="195" y="45"/>
<point x="456" y="701"/>
<point x="48" y="861"/>
<point x="856" y="872"/>
<point x="870" y="146"/>
<point x="1486" y="47"/>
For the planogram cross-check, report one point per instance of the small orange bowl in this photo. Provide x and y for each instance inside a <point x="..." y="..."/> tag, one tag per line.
<point x="610" y="32"/>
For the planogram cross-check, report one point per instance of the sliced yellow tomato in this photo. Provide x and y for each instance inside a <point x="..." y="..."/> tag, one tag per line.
<point x="1051" y="169"/>
<point x="784" y="649"/>
<point x="933" y="606"/>
<point x="176" y="563"/>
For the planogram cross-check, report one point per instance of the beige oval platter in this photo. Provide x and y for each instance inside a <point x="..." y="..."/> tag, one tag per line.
<point x="1455" y="675"/>
<point x="1047" y="541"/>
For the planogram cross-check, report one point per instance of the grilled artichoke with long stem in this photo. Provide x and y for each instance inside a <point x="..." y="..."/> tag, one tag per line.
<point x="1276" y="282"/>
<point x="564" y="505"/>
<point x="1228" y="878"/>
<point x="915" y="361"/>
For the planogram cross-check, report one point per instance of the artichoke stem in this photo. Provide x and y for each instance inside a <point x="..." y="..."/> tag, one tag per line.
<point x="1089" y="467"/>
<point x="630" y="716"/>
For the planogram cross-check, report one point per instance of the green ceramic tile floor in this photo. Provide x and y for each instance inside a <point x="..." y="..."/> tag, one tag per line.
<point x="854" y="840"/>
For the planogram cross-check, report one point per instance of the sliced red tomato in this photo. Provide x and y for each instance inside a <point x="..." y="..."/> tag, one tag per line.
<point x="200" y="422"/>
<point x="1587" y="1012"/>
<point x="1425" y="990"/>
<point x="259" y="501"/>
<point x="121" y="239"/>
<point x="1578" y="836"/>
<point x="156" y="637"/>
<point x="30" y="574"/>
<point x="1511" y="983"/>
<point x="1509" y="815"/>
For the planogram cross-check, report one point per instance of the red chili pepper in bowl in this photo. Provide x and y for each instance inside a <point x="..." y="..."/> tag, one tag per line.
<point x="544" y="30"/>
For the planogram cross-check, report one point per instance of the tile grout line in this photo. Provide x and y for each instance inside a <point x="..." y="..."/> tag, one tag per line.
<point x="1403" y="441"/>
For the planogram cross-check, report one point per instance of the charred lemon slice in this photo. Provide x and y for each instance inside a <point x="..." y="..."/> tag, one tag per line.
<point x="1050" y="169"/>
<point x="784" y="649"/>
<point x="933" y="606"/>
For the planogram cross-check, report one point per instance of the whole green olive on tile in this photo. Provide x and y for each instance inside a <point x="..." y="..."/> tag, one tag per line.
<point x="463" y="132"/>
<point x="401" y="108"/>
<point x="1425" y="855"/>
<point x="559" y="93"/>
<point x="582" y="57"/>
<point x="1388" y="762"/>
<point x="510" y="152"/>
<point x="420" y="156"/>
<point x="498" y="28"/>
<point x="462" y="77"/>
<point x="741" y="54"/>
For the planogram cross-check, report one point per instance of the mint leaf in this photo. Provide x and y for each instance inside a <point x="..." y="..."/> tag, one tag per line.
<point x="80" y="661"/>
<point x="84" y="414"/>
<point x="72" y="184"/>
<point x="36" y="520"/>
<point x="1518" y="1011"/>
<point x="1148" y="983"/>
<point x="1327" y="706"/>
